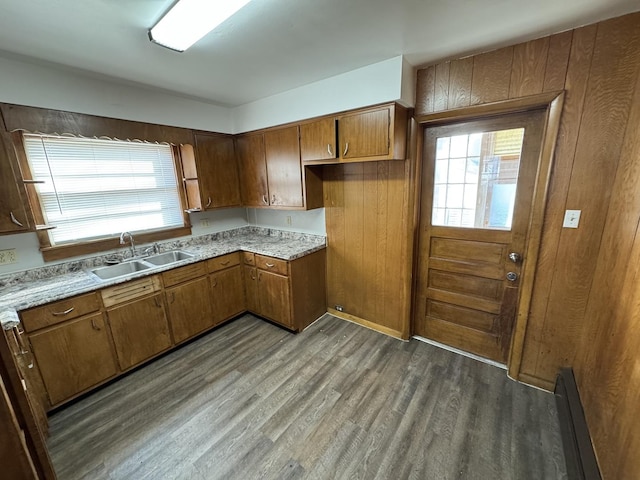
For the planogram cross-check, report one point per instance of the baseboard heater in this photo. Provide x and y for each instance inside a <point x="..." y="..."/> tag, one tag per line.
<point x="576" y="441"/>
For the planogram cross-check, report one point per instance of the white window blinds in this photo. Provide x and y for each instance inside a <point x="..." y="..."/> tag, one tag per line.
<point x="94" y="188"/>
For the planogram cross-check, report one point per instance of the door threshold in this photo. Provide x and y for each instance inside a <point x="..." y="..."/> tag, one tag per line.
<point x="461" y="352"/>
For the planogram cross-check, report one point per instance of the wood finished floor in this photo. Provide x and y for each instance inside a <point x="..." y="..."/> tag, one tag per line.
<point x="252" y="401"/>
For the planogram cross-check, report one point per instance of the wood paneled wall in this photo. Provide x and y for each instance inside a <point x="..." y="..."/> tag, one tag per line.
<point x="585" y="307"/>
<point x="367" y="218"/>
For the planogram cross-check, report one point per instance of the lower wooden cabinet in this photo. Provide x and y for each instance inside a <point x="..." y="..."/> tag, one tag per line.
<point x="227" y="294"/>
<point x="291" y="293"/>
<point x="73" y="356"/>
<point x="274" y="297"/>
<point x="140" y="330"/>
<point x="190" y="309"/>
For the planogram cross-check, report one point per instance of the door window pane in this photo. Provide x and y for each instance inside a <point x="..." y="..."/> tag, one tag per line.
<point x="479" y="172"/>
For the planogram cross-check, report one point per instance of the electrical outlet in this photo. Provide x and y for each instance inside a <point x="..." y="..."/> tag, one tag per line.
<point x="289" y="220"/>
<point x="204" y="222"/>
<point x="8" y="256"/>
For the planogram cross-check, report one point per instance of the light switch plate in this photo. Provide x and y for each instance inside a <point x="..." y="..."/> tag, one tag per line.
<point x="571" y="218"/>
<point x="8" y="256"/>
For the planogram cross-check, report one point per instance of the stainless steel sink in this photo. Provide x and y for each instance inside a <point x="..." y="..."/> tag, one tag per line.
<point x="168" y="257"/>
<point x="121" y="269"/>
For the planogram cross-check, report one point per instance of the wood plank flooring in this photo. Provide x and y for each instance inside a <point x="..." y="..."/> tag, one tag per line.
<point x="252" y="401"/>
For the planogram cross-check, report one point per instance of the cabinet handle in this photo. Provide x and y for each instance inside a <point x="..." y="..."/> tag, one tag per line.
<point x="329" y="150"/>
<point x="226" y="262"/>
<point x="346" y="149"/>
<point x="15" y="220"/>
<point x="265" y="200"/>
<point x="208" y="203"/>
<point x="273" y="199"/>
<point x="155" y="300"/>
<point x="215" y="283"/>
<point x="18" y="334"/>
<point x="66" y="312"/>
<point x="270" y="265"/>
<point x="173" y="297"/>
<point x="252" y="275"/>
<point x="94" y="326"/>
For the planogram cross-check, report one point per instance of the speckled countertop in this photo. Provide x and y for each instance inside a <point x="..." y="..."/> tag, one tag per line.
<point x="22" y="290"/>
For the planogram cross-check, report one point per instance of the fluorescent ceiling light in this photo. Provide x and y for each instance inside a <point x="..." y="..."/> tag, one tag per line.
<point x="190" y="20"/>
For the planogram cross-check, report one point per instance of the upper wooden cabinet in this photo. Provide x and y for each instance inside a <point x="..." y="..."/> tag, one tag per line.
<point x="271" y="173"/>
<point x="210" y="172"/>
<point x="371" y="134"/>
<point x="253" y="170"/>
<point x="13" y="215"/>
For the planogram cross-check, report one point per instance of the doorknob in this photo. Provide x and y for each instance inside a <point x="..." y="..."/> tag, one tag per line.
<point x="512" y="276"/>
<point x="515" y="257"/>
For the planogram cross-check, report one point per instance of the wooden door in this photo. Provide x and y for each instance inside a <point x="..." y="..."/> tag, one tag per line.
<point x="73" y="356"/>
<point x="365" y="134"/>
<point x="140" y="330"/>
<point x="477" y="188"/>
<point x="318" y="140"/>
<point x="274" y="297"/>
<point x="189" y="306"/>
<point x="251" y="289"/>
<point x="227" y="294"/>
<point x="217" y="171"/>
<point x="284" y="172"/>
<point x="253" y="170"/>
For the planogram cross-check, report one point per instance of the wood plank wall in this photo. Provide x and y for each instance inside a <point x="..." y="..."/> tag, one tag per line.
<point x="367" y="220"/>
<point x="585" y="309"/>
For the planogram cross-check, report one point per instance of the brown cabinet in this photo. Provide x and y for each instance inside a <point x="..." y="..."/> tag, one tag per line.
<point x="371" y="134"/>
<point x="210" y="172"/>
<point x="137" y="318"/>
<point x="73" y="356"/>
<point x="253" y="170"/>
<point x="227" y="294"/>
<point x="271" y="172"/>
<point x="319" y="140"/>
<point x="13" y="215"/>
<point x="217" y="171"/>
<point x="291" y="293"/>
<point x="190" y="310"/>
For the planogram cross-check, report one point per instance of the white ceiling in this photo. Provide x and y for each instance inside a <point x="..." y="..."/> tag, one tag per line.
<point x="271" y="46"/>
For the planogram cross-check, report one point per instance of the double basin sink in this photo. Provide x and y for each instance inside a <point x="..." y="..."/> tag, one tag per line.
<point x="132" y="267"/>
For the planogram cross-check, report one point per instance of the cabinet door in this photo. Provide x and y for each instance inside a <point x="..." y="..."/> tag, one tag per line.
<point x="227" y="294"/>
<point x="190" y="310"/>
<point x="284" y="172"/>
<point x="318" y="140"/>
<point x="140" y="330"/>
<point x="365" y="134"/>
<point x="217" y="171"/>
<point x="274" y="297"/>
<point x="13" y="216"/>
<point x="251" y="289"/>
<point x="73" y="356"/>
<point x="253" y="170"/>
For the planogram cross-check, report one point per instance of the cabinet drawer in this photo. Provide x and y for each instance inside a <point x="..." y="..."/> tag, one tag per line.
<point x="57" y="312"/>
<point x="272" y="264"/>
<point x="130" y="290"/>
<point x="249" y="258"/>
<point x="223" y="261"/>
<point x="183" y="274"/>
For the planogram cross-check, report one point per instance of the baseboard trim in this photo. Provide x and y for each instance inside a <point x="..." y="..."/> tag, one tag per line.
<point x="578" y="449"/>
<point x="366" y="323"/>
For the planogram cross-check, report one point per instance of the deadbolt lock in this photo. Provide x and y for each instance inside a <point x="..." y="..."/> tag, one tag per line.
<point x="512" y="276"/>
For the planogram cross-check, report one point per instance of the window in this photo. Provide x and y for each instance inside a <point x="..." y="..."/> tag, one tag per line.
<point x="475" y="179"/>
<point x="92" y="189"/>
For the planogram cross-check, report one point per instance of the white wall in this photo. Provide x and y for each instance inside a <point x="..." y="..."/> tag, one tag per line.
<point x="311" y="221"/>
<point x="377" y="83"/>
<point x="47" y="86"/>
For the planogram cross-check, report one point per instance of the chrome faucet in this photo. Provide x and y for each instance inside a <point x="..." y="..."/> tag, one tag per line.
<point x="123" y="235"/>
